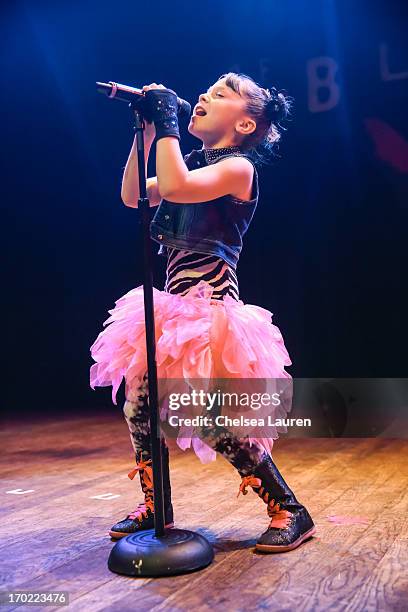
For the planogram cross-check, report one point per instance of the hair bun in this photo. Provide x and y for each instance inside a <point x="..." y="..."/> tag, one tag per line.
<point x="275" y="105"/>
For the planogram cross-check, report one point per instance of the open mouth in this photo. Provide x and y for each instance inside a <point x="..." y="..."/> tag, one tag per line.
<point x="199" y="111"/>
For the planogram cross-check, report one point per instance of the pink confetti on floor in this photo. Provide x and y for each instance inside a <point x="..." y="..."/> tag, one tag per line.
<point x="347" y="520"/>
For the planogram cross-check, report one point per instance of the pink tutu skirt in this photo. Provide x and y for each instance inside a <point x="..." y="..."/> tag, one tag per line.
<point x="197" y="338"/>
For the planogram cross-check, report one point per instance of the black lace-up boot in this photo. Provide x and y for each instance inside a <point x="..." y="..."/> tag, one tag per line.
<point x="143" y="516"/>
<point x="291" y="523"/>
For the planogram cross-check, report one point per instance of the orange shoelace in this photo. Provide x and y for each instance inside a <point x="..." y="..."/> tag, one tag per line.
<point x="248" y="481"/>
<point x="147" y="476"/>
<point x="147" y="472"/>
<point x="280" y="517"/>
<point x="141" y="511"/>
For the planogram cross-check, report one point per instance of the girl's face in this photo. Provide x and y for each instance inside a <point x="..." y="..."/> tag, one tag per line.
<point x="224" y="119"/>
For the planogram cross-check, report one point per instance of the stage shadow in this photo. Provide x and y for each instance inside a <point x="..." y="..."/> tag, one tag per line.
<point x="219" y="544"/>
<point x="225" y="544"/>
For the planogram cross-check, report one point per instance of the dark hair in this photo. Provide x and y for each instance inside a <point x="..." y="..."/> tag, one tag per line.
<point x="268" y="107"/>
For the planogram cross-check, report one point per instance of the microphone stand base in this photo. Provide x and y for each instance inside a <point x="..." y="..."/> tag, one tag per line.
<point x="143" y="554"/>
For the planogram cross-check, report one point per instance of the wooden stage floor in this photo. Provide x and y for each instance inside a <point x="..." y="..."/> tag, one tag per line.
<point x="64" y="483"/>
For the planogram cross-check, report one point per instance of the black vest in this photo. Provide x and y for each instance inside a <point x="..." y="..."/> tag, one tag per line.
<point x="215" y="227"/>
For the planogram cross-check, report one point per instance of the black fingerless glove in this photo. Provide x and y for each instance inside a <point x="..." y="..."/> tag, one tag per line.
<point x="160" y="106"/>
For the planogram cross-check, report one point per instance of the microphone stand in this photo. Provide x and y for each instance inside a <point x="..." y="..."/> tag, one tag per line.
<point x="160" y="551"/>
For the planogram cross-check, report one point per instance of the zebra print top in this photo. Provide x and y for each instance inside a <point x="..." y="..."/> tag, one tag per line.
<point x="186" y="268"/>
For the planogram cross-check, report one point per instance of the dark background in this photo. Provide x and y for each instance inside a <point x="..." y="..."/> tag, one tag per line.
<point x="326" y="251"/>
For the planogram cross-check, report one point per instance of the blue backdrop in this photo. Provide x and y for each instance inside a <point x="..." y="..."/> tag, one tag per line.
<point x="326" y="251"/>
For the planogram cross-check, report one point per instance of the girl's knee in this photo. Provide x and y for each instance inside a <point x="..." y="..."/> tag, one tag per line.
<point x="130" y="409"/>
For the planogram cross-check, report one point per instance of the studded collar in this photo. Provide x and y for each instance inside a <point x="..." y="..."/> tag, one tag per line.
<point x="212" y="155"/>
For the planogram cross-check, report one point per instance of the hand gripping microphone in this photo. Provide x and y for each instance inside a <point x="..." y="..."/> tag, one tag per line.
<point x="125" y="93"/>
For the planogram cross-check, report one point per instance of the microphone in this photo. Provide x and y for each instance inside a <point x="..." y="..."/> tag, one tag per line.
<point x="128" y="94"/>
